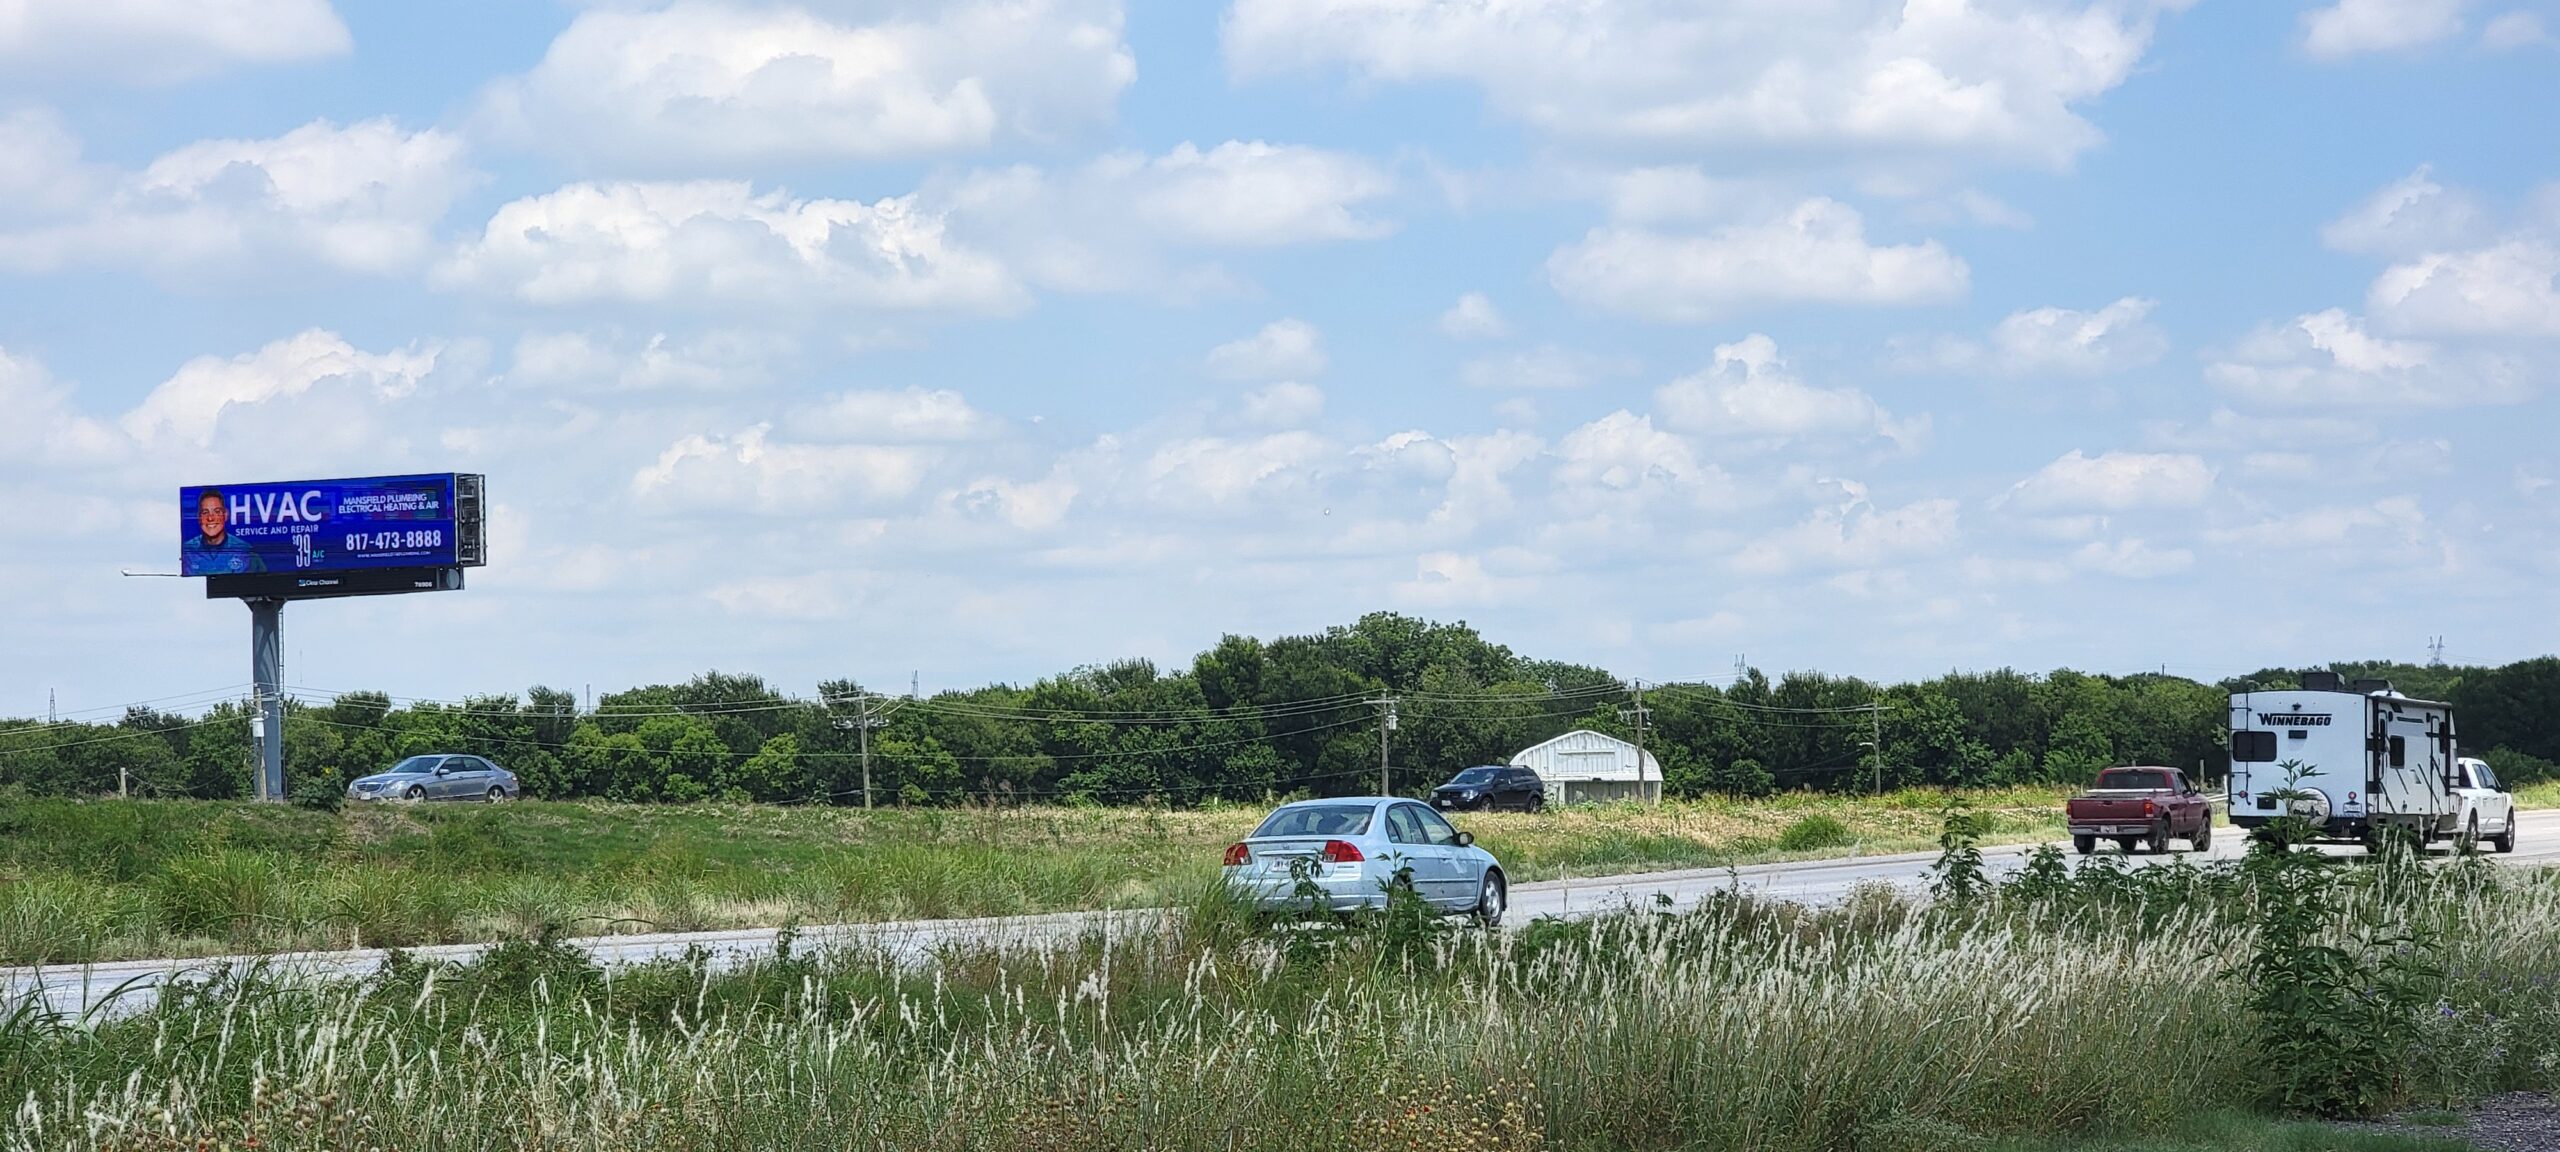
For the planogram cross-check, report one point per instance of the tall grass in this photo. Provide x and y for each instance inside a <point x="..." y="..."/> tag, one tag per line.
<point x="107" y="880"/>
<point x="2048" y="1007"/>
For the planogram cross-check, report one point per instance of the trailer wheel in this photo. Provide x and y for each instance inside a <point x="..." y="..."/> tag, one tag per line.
<point x="2084" y="844"/>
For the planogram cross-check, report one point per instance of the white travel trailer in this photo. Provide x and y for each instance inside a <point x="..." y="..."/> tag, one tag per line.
<point x="2372" y="760"/>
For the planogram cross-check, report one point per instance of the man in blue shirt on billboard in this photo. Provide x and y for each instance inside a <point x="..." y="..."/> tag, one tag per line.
<point x="213" y="550"/>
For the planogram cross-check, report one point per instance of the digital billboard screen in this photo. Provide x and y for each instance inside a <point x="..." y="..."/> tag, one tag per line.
<point x="329" y="525"/>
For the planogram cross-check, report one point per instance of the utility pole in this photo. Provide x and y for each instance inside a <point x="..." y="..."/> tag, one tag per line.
<point x="1637" y="714"/>
<point x="1386" y="724"/>
<point x="1875" y="716"/>
<point x="861" y="722"/>
<point x="51" y="717"/>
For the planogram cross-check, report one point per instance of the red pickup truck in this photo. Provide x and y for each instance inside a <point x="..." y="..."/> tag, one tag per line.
<point x="2150" y="806"/>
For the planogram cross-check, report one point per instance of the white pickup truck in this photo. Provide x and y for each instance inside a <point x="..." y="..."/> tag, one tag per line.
<point x="2486" y="809"/>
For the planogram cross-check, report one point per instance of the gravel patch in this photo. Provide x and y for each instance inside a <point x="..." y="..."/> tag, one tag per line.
<point x="2513" y="1122"/>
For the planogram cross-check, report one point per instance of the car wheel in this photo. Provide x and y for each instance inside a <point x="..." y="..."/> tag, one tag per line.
<point x="2505" y="840"/>
<point x="416" y="792"/>
<point x="2469" y="841"/>
<point x="2084" y="844"/>
<point x="1492" y="900"/>
<point x="2160" y="838"/>
<point x="2203" y="839"/>
<point x="497" y="794"/>
<point x="1537" y="803"/>
<point x="2125" y="844"/>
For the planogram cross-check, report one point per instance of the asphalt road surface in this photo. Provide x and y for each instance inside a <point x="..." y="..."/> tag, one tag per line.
<point x="128" y="986"/>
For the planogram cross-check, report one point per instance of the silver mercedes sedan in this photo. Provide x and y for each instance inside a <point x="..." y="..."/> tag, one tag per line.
<point x="1351" y="849"/>
<point x="438" y="777"/>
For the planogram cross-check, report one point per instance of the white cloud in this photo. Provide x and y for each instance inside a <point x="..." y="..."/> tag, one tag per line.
<point x="190" y="405"/>
<point x="1816" y="254"/>
<point x="1286" y="404"/>
<point x="1110" y="224"/>
<point x="2114" y="482"/>
<point x="751" y="472"/>
<point x="1541" y="368"/>
<point x="2411" y="215"/>
<point x="1876" y="79"/>
<point x="1284" y="348"/>
<point x="2512" y="30"/>
<point x="2392" y="528"/>
<point x="2511" y="288"/>
<point x="2351" y="27"/>
<point x="610" y="361"/>
<point x="1750" y="393"/>
<point x="2328" y="360"/>
<point x="2053" y="341"/>
<point x="1855" y="535"/>
<point x="1209" y="471"/>
<point x="1622" y="457"/>
<point x="41" y="426"/>
<point x="815" y="596"/>
<point x="162" y="41"/>
<point x="910" y="415"/>
<point x="1030" y="506"/>
<point x="1473" y="317"/>
<point x="1450" y="579"/>
<point x="2111" y="339"/>
<point x="2131" y="559"/>
<point x="722" y="241"/>
<point x="696" y="84"/>
<point x="364" y="197"/>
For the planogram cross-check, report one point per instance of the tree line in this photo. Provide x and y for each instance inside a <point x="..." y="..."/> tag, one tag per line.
<point x="1247" y="720"/>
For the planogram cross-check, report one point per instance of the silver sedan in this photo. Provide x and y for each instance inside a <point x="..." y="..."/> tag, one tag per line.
<point x="438" y="777"/>
<point x="1352" y="849"/>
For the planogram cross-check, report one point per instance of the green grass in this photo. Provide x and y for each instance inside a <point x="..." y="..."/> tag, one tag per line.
<point x="2099" y="1017"/>
<point x="100" y="880"/>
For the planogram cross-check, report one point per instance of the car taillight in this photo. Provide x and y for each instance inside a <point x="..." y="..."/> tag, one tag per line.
<point x="1238" y="856"/>
<point x="1342" y="852"/>
<point x="2150" y="809"/>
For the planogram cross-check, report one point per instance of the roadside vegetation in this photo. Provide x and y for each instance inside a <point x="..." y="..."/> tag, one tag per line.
<point x="1245" y="719"/>
<point x="102" y="880"/>
<point x="2097" y="1009"/>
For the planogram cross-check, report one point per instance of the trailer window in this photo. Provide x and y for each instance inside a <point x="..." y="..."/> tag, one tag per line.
<point x="2399" y="752"/>
<point x="2253" y="747"/>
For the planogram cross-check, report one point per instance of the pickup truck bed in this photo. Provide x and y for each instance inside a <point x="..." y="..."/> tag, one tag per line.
<point x="2144" y="806"/>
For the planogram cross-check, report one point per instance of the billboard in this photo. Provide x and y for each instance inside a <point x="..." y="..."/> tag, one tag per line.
<point x="370" y="522"/>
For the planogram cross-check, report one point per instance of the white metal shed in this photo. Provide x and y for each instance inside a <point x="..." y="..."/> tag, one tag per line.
<point x="1583" y="766"/>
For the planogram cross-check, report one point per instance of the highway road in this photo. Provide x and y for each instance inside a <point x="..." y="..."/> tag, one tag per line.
<point x="121" y="987"/>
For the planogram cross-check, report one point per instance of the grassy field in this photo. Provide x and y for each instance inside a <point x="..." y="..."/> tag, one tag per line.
<point x="2096" y="1012"/>
<point x="94" y="880"/>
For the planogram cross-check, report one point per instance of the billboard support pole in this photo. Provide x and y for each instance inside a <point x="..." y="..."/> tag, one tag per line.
<point x="266" y="667"/>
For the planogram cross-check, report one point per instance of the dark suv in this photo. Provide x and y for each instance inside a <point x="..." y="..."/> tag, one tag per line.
<point x="1518" y="789"/>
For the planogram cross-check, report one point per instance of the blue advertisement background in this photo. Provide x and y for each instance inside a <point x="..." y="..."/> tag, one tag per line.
<point x="319" y="525"/>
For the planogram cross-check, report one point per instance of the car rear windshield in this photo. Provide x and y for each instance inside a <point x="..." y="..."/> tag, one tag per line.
<point x="2134" y="780"/>
<point x="1318" y="820"/>
<point x="1474" y="776"/>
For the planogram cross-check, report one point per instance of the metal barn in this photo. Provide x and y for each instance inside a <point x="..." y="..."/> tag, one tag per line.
<point x="1584" y="767"/>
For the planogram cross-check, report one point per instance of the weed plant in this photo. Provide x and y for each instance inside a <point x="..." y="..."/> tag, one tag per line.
<point x="2057" y="1003"/>
<point x="100" y="880"/>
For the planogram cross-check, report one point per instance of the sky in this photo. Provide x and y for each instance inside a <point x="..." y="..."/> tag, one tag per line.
<point x="975" y="341"/>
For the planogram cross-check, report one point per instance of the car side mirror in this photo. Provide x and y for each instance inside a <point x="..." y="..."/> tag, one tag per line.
<point x="444" y="771"/>
<point x="1466" y="839"/>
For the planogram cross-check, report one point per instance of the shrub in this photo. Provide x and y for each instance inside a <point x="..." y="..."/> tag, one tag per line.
<point x="1814" y="833"/>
